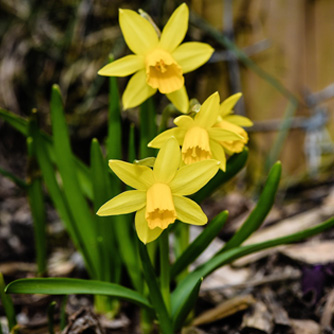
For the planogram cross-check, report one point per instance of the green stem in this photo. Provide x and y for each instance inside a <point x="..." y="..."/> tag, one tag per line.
<point x="182" y="242"/>
<point x="164" y="268"/>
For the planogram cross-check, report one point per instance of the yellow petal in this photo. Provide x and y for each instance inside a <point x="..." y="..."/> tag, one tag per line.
<point x="138" y="33"/>
<point x="225" y="125"/>
<point x="162" y="71"/>
<point x="159" y="140"/>
<point x="232" y="147"/>
<point x="180" y="99"/>
<point x="126" y="202"/>
<point x="184" y="121"/>
<point x="218" y="154"/>
<point x="137" y="91"/>
<point x="196" y="145"/>
<point x="167" y="161"/>
<point x="239" y="120"/>
<point x="175" y="29"/>
<point x="192" y="55"/>
<point x="191" y="178"/>
<point x="123" y="66"/>
<point x="145" y="234"/>
<point x="136" y="176"/>
<point x="188" y="211"/>
<point x="219" y="134"/>
<point x="160" y="210"/>
<point x="208" y="114"/>
<point x="228" y="104"/>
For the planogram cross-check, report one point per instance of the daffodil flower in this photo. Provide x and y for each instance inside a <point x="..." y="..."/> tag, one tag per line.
<point x="159" y="193"/>
<point x="158" y="63"/>
<point x="199" y="137"/>
<point x="227" y="120"/>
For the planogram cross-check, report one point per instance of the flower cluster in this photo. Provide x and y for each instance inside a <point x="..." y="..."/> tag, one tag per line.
<point x="158" y="63"/>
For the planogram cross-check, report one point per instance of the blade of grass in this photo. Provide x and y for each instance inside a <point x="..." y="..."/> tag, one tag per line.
<point x="282" y="134"/>
<point x="148" y="128"/>
<point x="199" y="244"/>
<point x="21" y="125"/>
<point x="233" y="166"/>
<point x="105" y="225"/>
<point x="51" y="314"/>
<point x="37" y="207"/>
<point x="66" y="286"/>
<point x="81" y="214"/>
<point x="259" y="213"/>
<point x="20" y="183"/>
<point x="124" y="233"/>
<point x="155" y="293"/>
<point x="185" y="287"/>
<point x="36" y="199"/>
<point x="182" y="310"/>
<point x="55" y="192"/>
<point x="7" y="304"/>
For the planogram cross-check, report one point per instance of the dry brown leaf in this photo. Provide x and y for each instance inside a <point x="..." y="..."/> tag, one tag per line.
<point x="311" y="252"/>
<point x="305" y="326"/>
<point x="224" y="310"/>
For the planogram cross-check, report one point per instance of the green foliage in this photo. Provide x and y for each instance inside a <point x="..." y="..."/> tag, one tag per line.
<point x="7" y="304"/>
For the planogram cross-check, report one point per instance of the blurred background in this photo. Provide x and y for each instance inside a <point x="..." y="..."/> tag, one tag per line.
<point x="278" y="53"/>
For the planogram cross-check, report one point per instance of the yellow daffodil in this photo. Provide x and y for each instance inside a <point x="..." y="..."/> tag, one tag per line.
<point x="159" y="193"/>
<point x="158" y="63"/>
<point x="228" y="121"/>
<point x="199" y="137"/>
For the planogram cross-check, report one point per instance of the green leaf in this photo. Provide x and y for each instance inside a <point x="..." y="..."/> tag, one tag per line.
<point x="20" y="183"/>
<point x="181" y="311"/>
<point x="85" y="223"/>
<point x="199" y="244"/>
<point x="36" y="198"/>
<point x="114" y="139"/>
<point x="21" y="125"/>
<point x="155" y="293"/>
<point x="37" y="206"/>
<point x="17" y="122"/>
<point x="186" y="286"/>
<point x="148" y="128"/>
<point x="233" y="166"/>
<point x="259" y="213"/>
<point x="105" y="225"/>
<point x="7" y="304"/>
<point x="66" y="286"/>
